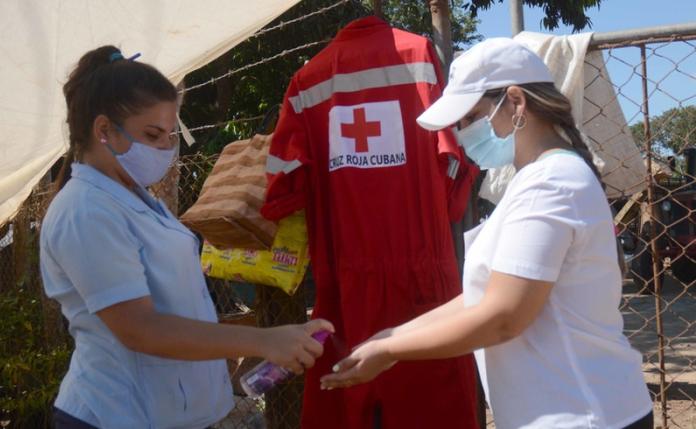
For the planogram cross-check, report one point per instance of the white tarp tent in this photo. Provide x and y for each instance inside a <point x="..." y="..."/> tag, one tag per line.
<point x="40" y="40"/>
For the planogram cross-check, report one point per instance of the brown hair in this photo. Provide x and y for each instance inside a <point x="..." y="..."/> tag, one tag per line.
<point x="104" y="83"/>
<point x="546" y="101"/>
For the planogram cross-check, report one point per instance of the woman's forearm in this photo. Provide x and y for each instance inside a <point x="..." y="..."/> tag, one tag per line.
<point x="450" y="335"/>
<point x="450" y="308"/>
<point x="180" y="338"/>
<point x="141" y="328"/>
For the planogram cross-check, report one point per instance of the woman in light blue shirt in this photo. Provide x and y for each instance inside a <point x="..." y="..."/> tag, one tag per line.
<point x="149" y="352"/>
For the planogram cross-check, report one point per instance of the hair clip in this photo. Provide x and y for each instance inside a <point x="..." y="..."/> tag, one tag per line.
<point x="115" y="56"/>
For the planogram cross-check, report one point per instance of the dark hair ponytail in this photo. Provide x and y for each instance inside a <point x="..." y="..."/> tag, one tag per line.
<point x="104" y="83"/>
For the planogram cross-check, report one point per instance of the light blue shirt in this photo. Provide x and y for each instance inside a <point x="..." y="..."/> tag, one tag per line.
<point x="101" y="245"/>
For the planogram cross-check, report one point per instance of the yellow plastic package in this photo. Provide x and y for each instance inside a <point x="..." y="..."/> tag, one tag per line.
<point x="283" y="266"/>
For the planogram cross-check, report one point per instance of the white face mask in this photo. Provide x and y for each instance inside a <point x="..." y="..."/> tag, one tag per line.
<point x="146" y="165"/>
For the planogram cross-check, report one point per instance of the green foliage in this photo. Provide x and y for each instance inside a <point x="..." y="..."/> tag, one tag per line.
<point x="414" y="16"/>
<point x="568" y="12"/>
<point x="30" y="369"/>
<point x="671" y="132"/>
<point x="250" y="94"/>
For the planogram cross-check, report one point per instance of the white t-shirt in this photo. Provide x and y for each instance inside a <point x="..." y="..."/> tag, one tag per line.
<point x="572" y="367"/>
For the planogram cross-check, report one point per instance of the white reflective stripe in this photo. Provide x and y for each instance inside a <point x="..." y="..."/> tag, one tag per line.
<point x="453" y="167"/>
<point x="371" y="78"/>
<point x="275" y="165"/>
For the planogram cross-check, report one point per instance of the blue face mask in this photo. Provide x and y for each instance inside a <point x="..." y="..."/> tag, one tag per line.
<point x="144" y="164"/>
<point x="483" y="146"/>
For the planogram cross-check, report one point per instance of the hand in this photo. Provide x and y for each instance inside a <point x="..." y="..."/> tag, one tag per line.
<point x="292" y="347"/>
<point x="367" y="361"/>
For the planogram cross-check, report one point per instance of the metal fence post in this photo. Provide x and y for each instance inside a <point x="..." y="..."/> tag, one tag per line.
<point x="653" y="240"/>
<point x="516" y="16"/>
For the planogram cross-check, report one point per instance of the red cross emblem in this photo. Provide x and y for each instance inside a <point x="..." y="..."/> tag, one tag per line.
<point x="360" y="130"/>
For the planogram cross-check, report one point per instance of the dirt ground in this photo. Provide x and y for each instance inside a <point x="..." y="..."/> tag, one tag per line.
<point x="679" y="325"/>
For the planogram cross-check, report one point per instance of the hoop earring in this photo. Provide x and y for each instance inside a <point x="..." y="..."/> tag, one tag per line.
<point x="519" y="121"/>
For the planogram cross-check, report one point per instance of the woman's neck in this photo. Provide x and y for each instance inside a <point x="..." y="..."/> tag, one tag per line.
<point x="535" y="139"/>
<point x="100" y="159"/>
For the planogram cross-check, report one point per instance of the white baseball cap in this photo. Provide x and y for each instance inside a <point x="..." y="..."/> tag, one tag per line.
<point x="494" y="63"/>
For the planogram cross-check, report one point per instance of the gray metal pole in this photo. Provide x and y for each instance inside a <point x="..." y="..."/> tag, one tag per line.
<point x="641" y="34"/>
<point x="516" y="16"/>
<point x="654" y="219"/>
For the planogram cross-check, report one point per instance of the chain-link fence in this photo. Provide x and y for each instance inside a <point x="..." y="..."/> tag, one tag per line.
<point x="657" y="223"/>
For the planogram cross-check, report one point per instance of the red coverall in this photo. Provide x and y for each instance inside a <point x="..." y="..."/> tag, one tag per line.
<point x="376" y="188"/>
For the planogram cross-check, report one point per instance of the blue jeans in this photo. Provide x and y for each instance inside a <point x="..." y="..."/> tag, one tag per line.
<point x="644" y="423"/>
<point x="63" y="420"/>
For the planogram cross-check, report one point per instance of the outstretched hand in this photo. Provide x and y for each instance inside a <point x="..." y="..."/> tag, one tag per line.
<point x="366" y="362"/>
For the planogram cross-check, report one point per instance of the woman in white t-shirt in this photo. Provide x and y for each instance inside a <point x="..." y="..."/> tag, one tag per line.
<point x="542" y="285"/>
